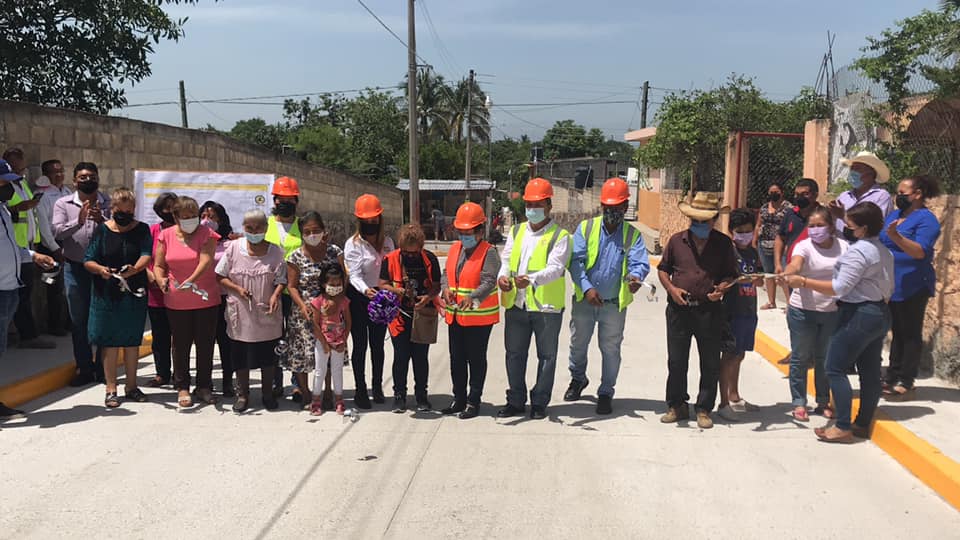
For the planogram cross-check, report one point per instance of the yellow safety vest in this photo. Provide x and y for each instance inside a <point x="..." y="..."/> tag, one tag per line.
<point x="291" y="243"/>
<point x="551" y="294"/>
<point x="21" y="224"/>
<point x="590" y="229"/>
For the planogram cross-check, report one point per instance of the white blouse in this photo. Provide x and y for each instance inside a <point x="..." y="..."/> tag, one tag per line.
<point x="363" y="262"/>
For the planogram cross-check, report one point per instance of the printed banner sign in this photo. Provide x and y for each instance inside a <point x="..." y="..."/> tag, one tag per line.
<point x="237" y="192"/>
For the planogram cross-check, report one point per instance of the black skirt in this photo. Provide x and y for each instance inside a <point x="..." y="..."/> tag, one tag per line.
<point x="261" y="354"/>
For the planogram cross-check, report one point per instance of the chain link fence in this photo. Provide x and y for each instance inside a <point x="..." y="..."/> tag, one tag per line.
<point x="772" y="160"/>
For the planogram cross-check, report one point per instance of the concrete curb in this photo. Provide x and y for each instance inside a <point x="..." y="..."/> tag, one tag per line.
<point x="921" y="458"/>
<point x="55" y="378"/>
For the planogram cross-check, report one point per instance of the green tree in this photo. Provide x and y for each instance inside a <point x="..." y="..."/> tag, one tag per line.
<point x="375" y="124"/>
<point x="77" y="54"/>
<point x="259" y="132"/>
<point x="457" y="113"/>
<point x="324" y="145"/>
<point x="566" y="139"/>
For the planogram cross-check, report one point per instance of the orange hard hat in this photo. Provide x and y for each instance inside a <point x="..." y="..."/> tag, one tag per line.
<point x="538" y="189"/>
<point x="367" y="206"/>
<point x="285" y="187"/>
<point x="469" y="216"/>
<point x="614" y="192"/>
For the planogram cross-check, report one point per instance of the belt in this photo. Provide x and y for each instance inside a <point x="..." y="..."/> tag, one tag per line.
<point x="864" y="303"/>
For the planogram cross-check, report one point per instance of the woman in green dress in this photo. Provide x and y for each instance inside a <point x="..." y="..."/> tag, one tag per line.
<point x="119" y="254"/>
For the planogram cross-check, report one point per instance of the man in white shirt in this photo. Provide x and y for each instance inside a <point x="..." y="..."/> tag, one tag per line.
<point x="532" y="269"/>
<point x="52" y="188"/>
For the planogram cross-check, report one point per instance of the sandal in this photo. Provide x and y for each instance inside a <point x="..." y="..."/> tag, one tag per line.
<point x="184" y="400"/>
<point x="899" y="393"/>
<point x="768" y="305"/>
<point x="800" y="414"/>
<point x="825" y="411"/>
<point x="845" y="437"/>
<point x="316" y="407"/>
<point x="135" y="395"/>
<point x="112" y="401"/>
<point x="157" y="381"/>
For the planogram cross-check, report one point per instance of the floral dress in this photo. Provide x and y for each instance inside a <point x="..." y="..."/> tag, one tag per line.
<point x="298" y="354"/>
<point x="770" y="224"/>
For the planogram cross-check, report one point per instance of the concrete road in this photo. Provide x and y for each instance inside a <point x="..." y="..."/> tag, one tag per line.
<point x="75" y="470"/>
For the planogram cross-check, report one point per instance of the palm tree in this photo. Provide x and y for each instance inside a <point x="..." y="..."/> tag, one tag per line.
<point x="479" y="114"/>
<point x="432" y="105"/>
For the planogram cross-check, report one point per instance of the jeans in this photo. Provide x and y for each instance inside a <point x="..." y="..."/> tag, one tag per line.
<point x="8" y="306"/>
<point x="363" y="332"/>
<point x="77" y="281"/>
<point x="468" y="355"/>
<point x="160" y="345"/>
<point x="23" y="319"/>
<point x="705" y="323"/>
<point x="519" y="327"/>
<point x="193" y="327"/>
<point x="403" y="352"/>
<point x="810" y="333"/>
<point x="858" y="340"/>
<point x="907" y="345"/>
<point x="609" y="321"/>
<point x="766" y="260"/>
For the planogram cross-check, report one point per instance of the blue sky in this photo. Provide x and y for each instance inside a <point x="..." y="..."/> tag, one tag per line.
<point x="529" y="51"/>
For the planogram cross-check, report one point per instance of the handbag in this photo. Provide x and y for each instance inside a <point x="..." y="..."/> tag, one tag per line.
<point x="425" y="323"/>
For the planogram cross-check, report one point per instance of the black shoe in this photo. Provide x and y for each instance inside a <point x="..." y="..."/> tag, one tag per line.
<point x="604" y="404"/>
<point x="228" y="390"/>
<point x="378" y="396"/>
<point x="240" y="404"/>
<point x="82" y="379"/>
<point x="136" y="395"/>
<point x="509" y="410"/>
<point x="7" y="413"/>
<point x="574" y="390"/>
<point x="423" y="405"/>
<point x="471" y="411"/>
<point x="537" y="413"/>
<point x="270" y="403"/>
<point x="399" y="404"/>
<point x="454" y="408"/>
<point x="361" y="400"/>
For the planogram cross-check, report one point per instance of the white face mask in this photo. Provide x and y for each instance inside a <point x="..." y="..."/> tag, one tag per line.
<point x="334" y="291"/>
<point x="314" y="240"/>
<point x="43" y="181"/>
<point x="189" y="225"/>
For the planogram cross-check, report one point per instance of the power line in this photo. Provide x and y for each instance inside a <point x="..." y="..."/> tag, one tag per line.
<point x="445" y="55"/>
<point x="204" y="107"/>
<point x="246" y="99"/>
<point x="565" y="104"/>
<point x="383" y="24"/>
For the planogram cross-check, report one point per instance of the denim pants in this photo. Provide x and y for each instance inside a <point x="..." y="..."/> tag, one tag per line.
<point x="858" y="340"/>
<point x="704" y="323"/>
<point x="23" y="318"/>
<point x="810" y="333"/>
<point x="609" y="320"/>
<point x="520" y="326"/>
<point x="77" y="281"/>
<point x="8" y="306"/>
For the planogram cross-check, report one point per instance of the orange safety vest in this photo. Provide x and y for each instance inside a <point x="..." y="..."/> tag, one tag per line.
<point x="395" y="267"/>
<point x="462" y="285"/>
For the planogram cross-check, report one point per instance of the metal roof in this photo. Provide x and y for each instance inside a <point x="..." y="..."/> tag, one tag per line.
<point x="476" y="184"/>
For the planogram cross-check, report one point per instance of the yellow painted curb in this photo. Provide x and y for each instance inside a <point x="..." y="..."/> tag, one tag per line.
<point x="921" y="458"/>
<point x="36" y="386"/>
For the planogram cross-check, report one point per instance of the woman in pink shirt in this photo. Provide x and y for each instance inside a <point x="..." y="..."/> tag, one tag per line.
<point x="184" y="272"/>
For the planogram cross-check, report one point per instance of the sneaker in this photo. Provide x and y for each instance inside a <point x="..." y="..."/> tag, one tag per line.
<point x="340" y="407"/>
<point x="361" y="399"/>
<point x="8" y="413"/>
<point x="423" y="405"/>
<point x="378" y="396"/>
<point x="240" y="404"/>
<point x="37" y="343"/>
<point x="676" y="414"/>
<point x="575" y="389"/>
<point x="399" y="404"/>
<point x="728" y="413"/>
<point x="703" y="420"/>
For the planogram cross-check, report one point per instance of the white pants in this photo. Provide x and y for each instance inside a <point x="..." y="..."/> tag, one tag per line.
<point x="335" y="359"/>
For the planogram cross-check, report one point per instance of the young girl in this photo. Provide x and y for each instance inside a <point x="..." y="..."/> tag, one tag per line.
<point x="331" y="326"/>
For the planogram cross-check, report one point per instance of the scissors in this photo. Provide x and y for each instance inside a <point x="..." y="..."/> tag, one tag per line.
<point x="124" y="286"/>
<point x="190" y="287"/>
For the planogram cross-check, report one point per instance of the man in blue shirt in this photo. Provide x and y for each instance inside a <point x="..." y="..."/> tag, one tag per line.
<point x="608" y="264"/>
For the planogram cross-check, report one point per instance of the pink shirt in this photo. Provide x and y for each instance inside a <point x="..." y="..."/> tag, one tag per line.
<point x="247" y="318"/>
<point x="182" y="259"/>
<point x="332" y="325"/>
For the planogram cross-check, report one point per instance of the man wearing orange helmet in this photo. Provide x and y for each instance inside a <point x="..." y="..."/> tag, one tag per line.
<point x="283" y="229"/>
<point x="608" y="264"/>
<point x="472" y="307"/>
<point x="531" y="279"/>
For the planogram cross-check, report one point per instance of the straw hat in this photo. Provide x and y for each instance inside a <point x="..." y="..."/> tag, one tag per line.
<point x="870" y="160"/>
<point x="704" y="206"/>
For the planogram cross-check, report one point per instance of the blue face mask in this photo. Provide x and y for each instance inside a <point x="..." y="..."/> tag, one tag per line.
<point x="469" y="241"/>
<point x="855" y="180"/>
<point x="700" y="230"/>
<point x="254" y="238"/>
<point x="536" y="215"/>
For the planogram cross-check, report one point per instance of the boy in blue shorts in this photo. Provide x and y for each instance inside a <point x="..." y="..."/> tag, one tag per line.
<point x="740" y="304"/>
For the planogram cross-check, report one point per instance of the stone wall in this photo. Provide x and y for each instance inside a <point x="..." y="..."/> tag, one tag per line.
<point x="119" y="145"/>
<point x="571" y="205"/>
<point x="942" y="324"/>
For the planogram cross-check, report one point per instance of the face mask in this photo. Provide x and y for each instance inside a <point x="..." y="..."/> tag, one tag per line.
<point x="6" y="192"/>
<point x="801" y="202"/>
<point x="855" y="179"/>
<point x="903" y="202"/>
<point x="369" y="229"/>
<point x="254" y="238"/>
<point x="189" y="225"/>
<point x="43" y="181"/>
<point x="536" y="215"/>
<point x="314" y="240"/>
<point x="286" y="209"/>
<point x="206" y="222"/>
<point x="613" y="217"/>
<point x="848" y="234"/>
<point x="773" y="197"/>
<point x="334" y="291"/>
<point x="122" y="218"/>
<point x="88" y="187"/>
<point x="743" y="238"/>
<point x="469" y="241"/>
<point x="166" y="217"/>
<point x="819" y="235"/>
<point x="409" y="257"/>
<point x="700" y="230"/>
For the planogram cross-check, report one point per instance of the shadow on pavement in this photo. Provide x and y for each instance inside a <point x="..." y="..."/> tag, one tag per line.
<point x="60" y="417"/>
<point x="898" y="411"/>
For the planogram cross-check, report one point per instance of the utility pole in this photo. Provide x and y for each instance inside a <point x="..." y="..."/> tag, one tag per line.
<point x="645" y="102"/>
<point x="412" y="122"/>
<point x="466" y="173"/>
<point x="183" y="105"/>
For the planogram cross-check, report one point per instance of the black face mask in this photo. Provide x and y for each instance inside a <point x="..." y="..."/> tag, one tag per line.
<point x="6" y="192"/>
<point x="88" y="187"/>
<point x="123" y="218"/>
<point x="612" y="217"/>
<point x="903" y="202"/>
<point x="773" y="197"/>
<point x="167" y="217"/>
<point x="369" y="229"/>
<point x="801" y="202"/>
<point x="848" y="234"/>
<point x="410" y="257"/>
<point x="286" y="209"/>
